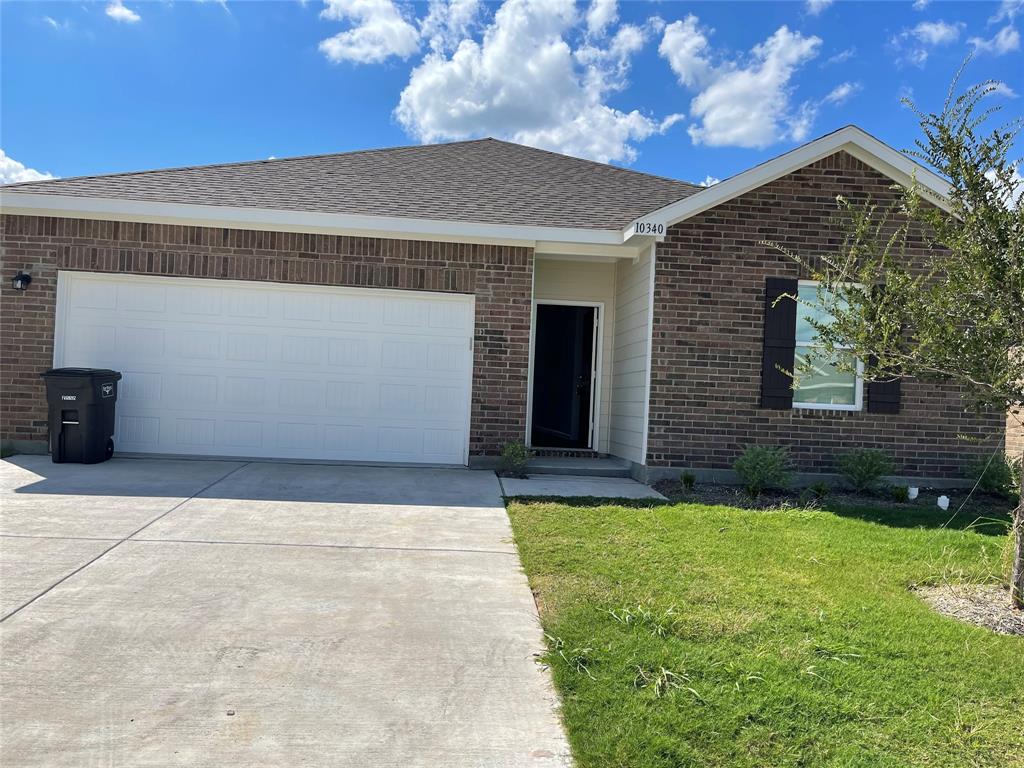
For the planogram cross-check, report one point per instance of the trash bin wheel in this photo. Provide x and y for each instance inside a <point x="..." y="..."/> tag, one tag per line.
<point x="110" y="448"/>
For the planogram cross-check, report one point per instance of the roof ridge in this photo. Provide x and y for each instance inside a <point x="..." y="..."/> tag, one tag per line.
<point x="237" y="163"/>
<point x="371" y="150"/>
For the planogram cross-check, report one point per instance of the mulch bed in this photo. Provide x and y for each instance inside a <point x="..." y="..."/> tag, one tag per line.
<point x="984" y="605"/>
<point x="733" y="496"/>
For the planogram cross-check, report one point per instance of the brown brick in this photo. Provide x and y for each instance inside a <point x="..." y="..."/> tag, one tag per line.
<point x="499" y="276"/>
<point x="707" y="345"/>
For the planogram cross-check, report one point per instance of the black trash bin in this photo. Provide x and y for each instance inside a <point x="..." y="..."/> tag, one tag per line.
<point x="81" y="413"/>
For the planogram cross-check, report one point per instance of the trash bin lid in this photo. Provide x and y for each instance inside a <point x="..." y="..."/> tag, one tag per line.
<point x="77" y="373"/>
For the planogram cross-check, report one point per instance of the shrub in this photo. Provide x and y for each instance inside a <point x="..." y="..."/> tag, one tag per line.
<point x="688" y="480"/>
<point x="761" y="467"/>
<point x="900" y="494"/>
<point x="864" y="467"/>
<point x="514" y="457"/>
<point x="819" y="490"/>
<point x="997" y="476"/>
<point x="814" y="494"/>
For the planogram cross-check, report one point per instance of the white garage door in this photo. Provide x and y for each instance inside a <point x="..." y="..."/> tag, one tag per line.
<point x="228" y="368"/>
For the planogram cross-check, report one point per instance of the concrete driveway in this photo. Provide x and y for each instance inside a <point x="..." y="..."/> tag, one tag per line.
<point x="207" y="613"/>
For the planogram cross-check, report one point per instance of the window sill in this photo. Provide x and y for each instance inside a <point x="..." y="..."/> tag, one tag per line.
<point x="824" y="407"/>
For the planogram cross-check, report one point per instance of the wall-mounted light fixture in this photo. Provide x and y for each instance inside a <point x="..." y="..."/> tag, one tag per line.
<point x="20" y="281"/>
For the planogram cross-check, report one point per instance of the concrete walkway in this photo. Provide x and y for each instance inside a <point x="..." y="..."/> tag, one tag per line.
<point x="200" y="613"/>
<point x="571" y="485"/>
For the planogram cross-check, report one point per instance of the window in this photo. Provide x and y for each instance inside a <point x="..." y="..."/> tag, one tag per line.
<point x="824" y="385"/>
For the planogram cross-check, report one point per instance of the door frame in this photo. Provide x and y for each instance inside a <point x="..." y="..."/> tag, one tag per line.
<point x="595" y="374"/>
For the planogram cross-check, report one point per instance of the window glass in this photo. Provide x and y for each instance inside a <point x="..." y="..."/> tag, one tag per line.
<point x="807" y="309"/>
<point x="823" y="383"/>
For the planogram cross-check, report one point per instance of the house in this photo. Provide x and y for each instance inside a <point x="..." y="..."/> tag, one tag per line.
<point x="428" y="304"/>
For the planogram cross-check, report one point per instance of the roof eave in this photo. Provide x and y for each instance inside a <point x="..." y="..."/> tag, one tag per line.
<point x="69" y="206"/>
<point x="851" y="139"/>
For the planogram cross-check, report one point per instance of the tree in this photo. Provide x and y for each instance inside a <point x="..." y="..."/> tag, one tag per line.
<point x="955" y="313"/>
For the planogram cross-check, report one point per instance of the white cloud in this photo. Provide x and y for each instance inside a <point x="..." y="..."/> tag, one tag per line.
<point x="844" y="55"/>
<point x="1005" y="40"/>
<point x="378" y="31"/>
<point x="448" y="22"/>
<point x="1011" y="193"/>
<point x="12" y="172"/>
<point x="920" y="5"/>
<point x="842" y="93"/>
<point x="1008" y="10"/>
<point x="936" y="33"/>
<point x="685" y="46"/>
<point x="914" y="45"/>
<point x="741" y="104"/>
<point x="118" y="12"/>
<point x="1002" y="89"/>
<point x="815" y="7"/>
<point x="709" y="181"/>
<point x="600" y="15"/>
<point x="523" y="81"/>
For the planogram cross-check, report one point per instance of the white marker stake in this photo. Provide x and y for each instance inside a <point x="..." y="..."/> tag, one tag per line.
<point x="943" y="503"/>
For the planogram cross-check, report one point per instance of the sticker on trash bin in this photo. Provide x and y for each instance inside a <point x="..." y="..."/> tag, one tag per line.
<point x="107" y="390"/>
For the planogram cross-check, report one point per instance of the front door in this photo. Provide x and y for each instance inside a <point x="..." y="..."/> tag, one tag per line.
<point x="563" y="376"/>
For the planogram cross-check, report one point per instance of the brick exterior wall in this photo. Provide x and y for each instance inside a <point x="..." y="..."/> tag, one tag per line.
<point x="1015" y="436"/>
<point x="708" y="328"/>
<point x="500" y="277"/>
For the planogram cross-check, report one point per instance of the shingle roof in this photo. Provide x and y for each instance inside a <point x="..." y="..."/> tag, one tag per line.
<point x="486" y="181"/>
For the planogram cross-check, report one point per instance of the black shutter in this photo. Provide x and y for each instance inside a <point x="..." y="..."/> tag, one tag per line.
<point x="779" y="344"/>
<point x="884" y="396"/>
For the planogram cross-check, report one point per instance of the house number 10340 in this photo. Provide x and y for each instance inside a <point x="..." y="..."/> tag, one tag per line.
<point x="648" y="228"/>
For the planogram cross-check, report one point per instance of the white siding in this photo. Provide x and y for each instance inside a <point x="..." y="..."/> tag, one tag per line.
<point x="584" y="281"/>
<point x="630" y="346"/>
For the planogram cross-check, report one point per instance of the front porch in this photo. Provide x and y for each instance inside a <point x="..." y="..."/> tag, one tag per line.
<point x="589" y="363"/>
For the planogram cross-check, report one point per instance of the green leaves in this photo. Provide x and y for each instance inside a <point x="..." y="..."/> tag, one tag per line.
<point x="952" y="308"/>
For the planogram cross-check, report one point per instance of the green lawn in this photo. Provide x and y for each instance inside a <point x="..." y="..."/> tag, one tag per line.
<point x="690" y="635"/>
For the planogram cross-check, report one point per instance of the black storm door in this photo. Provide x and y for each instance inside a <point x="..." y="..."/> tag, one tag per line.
<point x="563" y="376"/>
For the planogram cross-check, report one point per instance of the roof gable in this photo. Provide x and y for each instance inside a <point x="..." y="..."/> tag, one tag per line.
<point x="851" y="139"/>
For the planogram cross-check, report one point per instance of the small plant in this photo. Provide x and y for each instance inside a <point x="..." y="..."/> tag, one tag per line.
<point x="663" y="681"/>
<point x="660" y="680"/>
<point x="996" y="476"/>
<point x="900" y="494"/>
<point x="761" y="467"/>
<point x="578" y="660"/>
<point x="688" y="480"/>
<point x="819" y="490"/>
<point x="514" y="458"/>
<point x="814" y="494"/>
<point x="660" y="624"/>
<point x="863" y="468"/>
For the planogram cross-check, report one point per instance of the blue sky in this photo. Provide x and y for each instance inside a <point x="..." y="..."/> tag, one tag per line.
<point x="682" y="89"/>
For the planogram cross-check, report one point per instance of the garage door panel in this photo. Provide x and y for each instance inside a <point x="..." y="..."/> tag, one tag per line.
<point x="197" y="301"/>
<point x="147" y="299"/>
<point x="276" y="371"/>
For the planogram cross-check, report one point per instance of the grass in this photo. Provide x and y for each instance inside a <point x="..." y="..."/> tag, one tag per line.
<point x="693" y="635"/>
